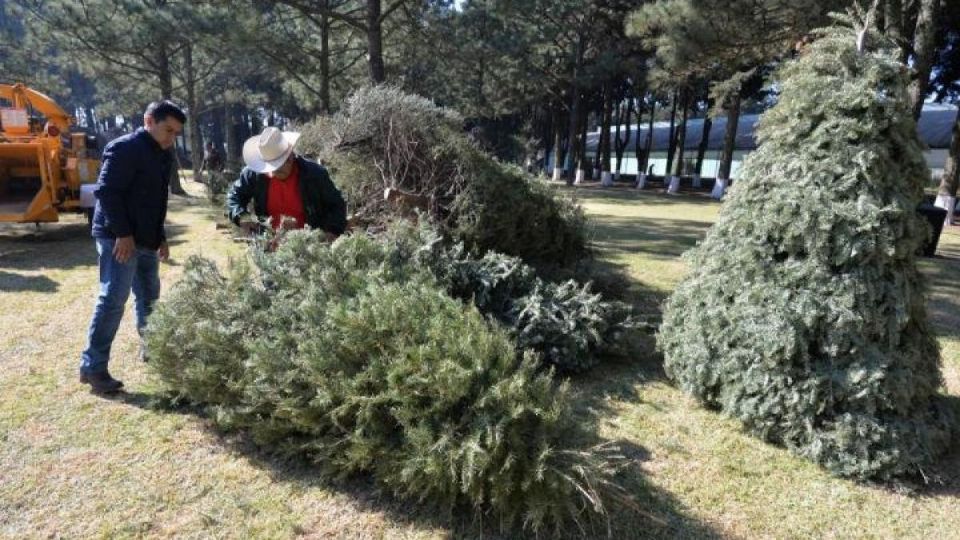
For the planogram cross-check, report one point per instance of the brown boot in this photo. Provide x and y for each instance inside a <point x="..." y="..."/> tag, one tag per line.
<point x="101" y="383"/>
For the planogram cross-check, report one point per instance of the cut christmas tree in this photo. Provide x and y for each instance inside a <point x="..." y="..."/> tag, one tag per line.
<point x="384" y="141"/>
<point x="804" y="315"/>
<point x="355" y="355"/>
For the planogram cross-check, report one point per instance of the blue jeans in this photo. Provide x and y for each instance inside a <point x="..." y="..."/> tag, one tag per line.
<point x="141" y="273"/>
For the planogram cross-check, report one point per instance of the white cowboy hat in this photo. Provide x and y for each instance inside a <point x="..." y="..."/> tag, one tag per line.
<point x="268" y="151"/>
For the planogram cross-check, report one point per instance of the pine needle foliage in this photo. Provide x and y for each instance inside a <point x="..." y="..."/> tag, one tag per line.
<point x="804" y="312"/>
<point x="384" y="139"/>
<point x="357" y="357"/>
<point x="571" y="327"/>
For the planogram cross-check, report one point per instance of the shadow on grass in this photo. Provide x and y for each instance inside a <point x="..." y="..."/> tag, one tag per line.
<point x="51" y="246"/>
<point x="653" y="513"/>
<point x="13" y="283"/>
<point x="944" y="478"/>
<point x="147" y="402"/>
<point x="59" y="246"/>
<point x="658" y="514"/>
<point x="54" y="246"/>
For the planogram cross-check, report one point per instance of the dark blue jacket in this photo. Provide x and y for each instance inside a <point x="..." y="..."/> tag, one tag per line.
<point x="132" y="190"/>
<point x="322" y="202"/>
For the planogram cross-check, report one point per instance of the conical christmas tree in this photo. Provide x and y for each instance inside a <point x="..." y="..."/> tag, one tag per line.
<point x="804" y="313"/>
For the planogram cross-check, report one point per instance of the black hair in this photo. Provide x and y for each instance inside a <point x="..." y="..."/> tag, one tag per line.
<point x="161" y="110"/>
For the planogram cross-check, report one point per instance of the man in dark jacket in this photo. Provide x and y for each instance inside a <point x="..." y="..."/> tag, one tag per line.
<point x="286" y="189"/>
<point x="128" y="228"/>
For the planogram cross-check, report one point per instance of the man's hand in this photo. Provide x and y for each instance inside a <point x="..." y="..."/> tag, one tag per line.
<point x="163" y="252"/>
<point x="123" y="249"/>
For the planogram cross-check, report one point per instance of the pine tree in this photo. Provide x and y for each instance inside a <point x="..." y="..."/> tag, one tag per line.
<point x="804" y="314"/>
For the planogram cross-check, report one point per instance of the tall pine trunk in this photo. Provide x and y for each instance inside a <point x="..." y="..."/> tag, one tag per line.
<point x="648" y="145"/>
<point x="375" y="42"/>
<point x="605" y="128"/>
<point x="230" y="134"/>
<point x="325" y="106"/>
<point x="582" y="164"/>
<point x="617" y="121"/>
<point x="166" y="92"/>
<point x="572" y="156"/>
<point x="704" y="138"/>
<point x="575" y="107"/>
<point x="622" y="144"/>
<point x="682" y="134"/>
<point x="671" y="141"/>
<point x="924" y="46"/>
<point x="193" y="106"/>
<point x="599" y="115"/>
<point x="558" y="144"/>
<point x="256" y="123"/>
<point x="164" y="75"/>
<point x="730" y="137"/>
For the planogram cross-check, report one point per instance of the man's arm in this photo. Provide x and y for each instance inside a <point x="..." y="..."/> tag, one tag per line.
<point x="334" y="216"/>
<point x="239" y="195"/>
<point x="116" y="175"/>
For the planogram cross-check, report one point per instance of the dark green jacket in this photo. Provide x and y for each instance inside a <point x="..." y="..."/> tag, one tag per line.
<point x="322" y="202"/>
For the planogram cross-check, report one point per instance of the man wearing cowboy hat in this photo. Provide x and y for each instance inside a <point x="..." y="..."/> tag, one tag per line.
<point x="290" y="191"/>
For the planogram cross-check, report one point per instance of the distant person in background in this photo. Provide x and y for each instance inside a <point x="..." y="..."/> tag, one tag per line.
<point x="289" y="190"/>
<point x="128" y="226"/>
<point x="212" y="160"/>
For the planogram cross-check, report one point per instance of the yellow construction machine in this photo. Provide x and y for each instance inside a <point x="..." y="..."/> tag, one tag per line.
<point x="44" y="169"/>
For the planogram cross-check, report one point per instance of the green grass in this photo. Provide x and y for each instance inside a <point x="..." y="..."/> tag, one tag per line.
<point x="75" y="465"/>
